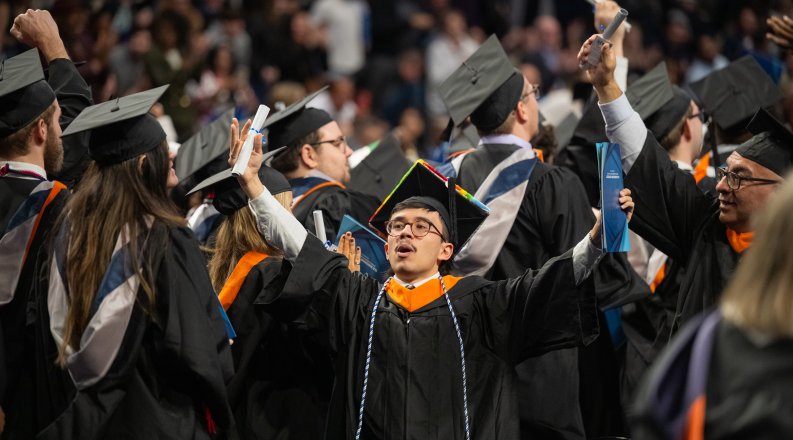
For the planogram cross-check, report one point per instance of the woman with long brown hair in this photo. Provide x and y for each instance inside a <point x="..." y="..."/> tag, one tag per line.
<point x="130" y="305"/>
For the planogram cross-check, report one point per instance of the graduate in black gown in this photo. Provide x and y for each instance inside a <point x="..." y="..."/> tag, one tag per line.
<point x="542" y="210"/>
<point x="129" y="307"/>
<point x="315" y="162"/>
<point x="277" y="391"/>
<point x="727" y="374"/>
<point x="32" y="113"/>
<point x="706" y="233"/>
<point x="427" y="355"/>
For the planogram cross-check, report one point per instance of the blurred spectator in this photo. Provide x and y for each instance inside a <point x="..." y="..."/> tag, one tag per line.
<point x="127" y="66"/>
<point x="707" y="60"/>
<point x="409" y="132"/>
<point x="445" y="54"/>
<point x="367" y="129"/>
<point x="407" y="92"/>
<point x="172" y="60"/>
<point x="345" y="23"/>
<point x="339" y="102"/>
<point x="284" y="94"/>
<point x="230" y="32"/>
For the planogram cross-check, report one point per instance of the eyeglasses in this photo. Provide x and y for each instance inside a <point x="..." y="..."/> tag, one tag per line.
<point x="734" y="180"/>
<point x="535" y="90"/>
<point x="419" y="227"/>
<point x="335" y="142"/>
<point x="702" y="116"/>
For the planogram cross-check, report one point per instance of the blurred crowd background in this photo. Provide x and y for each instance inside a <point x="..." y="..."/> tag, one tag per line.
<point x="383" y="59"/>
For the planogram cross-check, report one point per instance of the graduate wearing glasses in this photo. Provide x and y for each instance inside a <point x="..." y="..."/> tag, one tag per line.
<point x="427" y="354"/>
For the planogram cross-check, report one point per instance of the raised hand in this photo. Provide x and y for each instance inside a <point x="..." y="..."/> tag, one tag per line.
<point x="348" y="249"/>
<point x="249" y="179"/>
<point x="781" y="31"/>
<point x="36" y="28"/>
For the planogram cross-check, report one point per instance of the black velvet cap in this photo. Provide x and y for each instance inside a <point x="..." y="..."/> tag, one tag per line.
<point x="668" y="116"/>
<point x="485" y="87"/>
<point x="210" y="143"/>
<point x="229" y="196"/>
<point x="121" y="128"/>
<point x="772" y="143"/>
<point x="463" y="213"/>
<point x="295" y="122"/>
<point x="24" y="94"/>
<point x="735" y="93"/>
<point x="381" y="169"/>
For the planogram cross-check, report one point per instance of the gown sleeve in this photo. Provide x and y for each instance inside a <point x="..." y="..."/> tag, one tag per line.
<point x="73" y="95"/>
<point x="670" y="208"/>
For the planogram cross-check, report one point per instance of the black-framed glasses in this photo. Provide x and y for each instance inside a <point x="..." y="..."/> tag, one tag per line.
<point x="335" y="142"/>
<point x="702" y="116"/>
<point x="419" y="227"/>
<point x="734" y="180"/>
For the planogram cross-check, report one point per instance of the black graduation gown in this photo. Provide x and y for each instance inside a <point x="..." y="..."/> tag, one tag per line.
<point x="748" y="393"/>
<point x="558" y="399"/>
<point x="14" y="325"/>
<point x="334" y="202"/>
<point x="682" y="221"/>
<point x="171" y="368"/>
<point x="415" y="379"/>
<point x="277" y="392"/>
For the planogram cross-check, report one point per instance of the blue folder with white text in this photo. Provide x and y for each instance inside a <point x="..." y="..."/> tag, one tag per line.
<point x="614" y="229"/>
<point x="373" y="260"/>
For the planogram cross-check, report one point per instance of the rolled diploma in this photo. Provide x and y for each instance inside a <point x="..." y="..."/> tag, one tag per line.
<point x="319" y="225"/>
<point x="247" y="147"/>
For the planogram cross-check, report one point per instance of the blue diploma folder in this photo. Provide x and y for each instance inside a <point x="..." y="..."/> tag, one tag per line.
<point x="373" y="260"/>
<point x="615" y="222"/>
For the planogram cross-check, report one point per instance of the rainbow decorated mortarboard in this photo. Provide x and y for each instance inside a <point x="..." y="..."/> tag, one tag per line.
<point x="24" y="94"/>
<point x="121" y="128"/>
<point x="459" y="210"/>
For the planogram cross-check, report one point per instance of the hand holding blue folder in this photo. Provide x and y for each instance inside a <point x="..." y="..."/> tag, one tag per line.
<point x="614" y="220"/>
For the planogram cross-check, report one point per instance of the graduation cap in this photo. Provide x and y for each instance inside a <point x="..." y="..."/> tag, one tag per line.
<point x="229" y="196"/>
<point x="651" y="92"/>
<point x="381" y="169"/>
<point x="485" y="87"/>
<point x="210" y="143"/>
<point x="24" y="94"/>
<point x="564" y="129"/>
<point x="121" y="128"/>
<point x="466" y="139"/>
<point x="295" y="122"/>
<point x="735" y="93"/>
<point x="772" y="145"/>
<point x="460" y="211"/>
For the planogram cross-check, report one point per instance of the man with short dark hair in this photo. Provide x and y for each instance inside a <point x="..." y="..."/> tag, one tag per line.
<point x="315" y="162"/>
<point x="32" y="113"/>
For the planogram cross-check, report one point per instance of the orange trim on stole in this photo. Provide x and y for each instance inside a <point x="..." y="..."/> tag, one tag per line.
<point x="321" y="185"/>
<point x="701" y="170"/>
<point x="659" y="278"/>
<point x="539" y="154"/>
<point x="695" y="420"/>
<point x="422" y="295"/>
<point x="232" y="286"/>
<point x="460" y="153"/>
<point x="739" y="241"/>
<point x="57" y="187"/>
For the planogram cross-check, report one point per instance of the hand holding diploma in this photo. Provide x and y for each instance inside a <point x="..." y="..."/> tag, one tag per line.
<point x="249" y="177"/>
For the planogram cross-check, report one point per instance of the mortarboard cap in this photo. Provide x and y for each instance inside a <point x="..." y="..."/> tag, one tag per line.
<point x="466" y="139"/>
<point x="564" y="129"/>
<point x="229" y="196"/>
<point x="121" y="128"/>
<point x="772" y="143"/>
<point x="651" y="92"/>
<point x="210" y="143"/>
<point x="295" y="122"/>
<point x="24" y="95"/>
<point x="460" y="211"/>
<point x="668" y="116"/>
<point x="735" y="93"/>
<point x="380" y="171"/>
<point x="485" y="87"/>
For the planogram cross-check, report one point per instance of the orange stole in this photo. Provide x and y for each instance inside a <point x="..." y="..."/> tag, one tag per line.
<point x="659" y="278"/>
<point x="539" y="154"/>
<point x="701" y="170"/>
<point x="232" y="286"/>
<point x="321" y="185"/>
<point x="414" y="299"/>
<point x="739" y="241"/>
<point x="695" y="420"/>
<point x="57" y="187"/>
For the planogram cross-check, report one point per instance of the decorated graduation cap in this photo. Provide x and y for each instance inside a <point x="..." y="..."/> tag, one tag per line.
<point x="229" y="196"/>
<point x="209" y="144"/>
<point x="295" y="122"/>
<point x="122" y="128"/>
<point x="460" y="211"/>
<point x="772" y="143"/>
<point x="735" y="93"/>
<point x="486" y="87"/>
<point x="24" y="94"/>
<point x="381" y="169"/>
